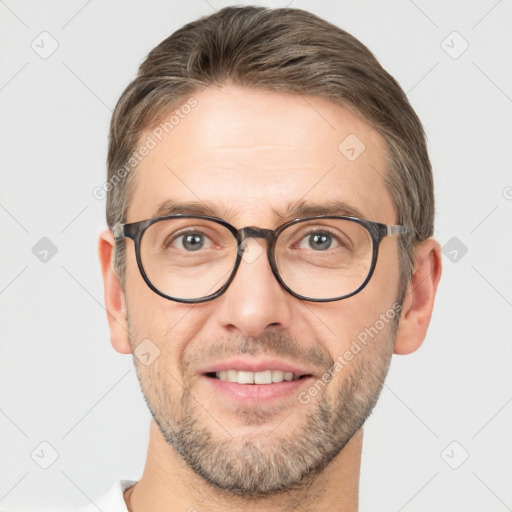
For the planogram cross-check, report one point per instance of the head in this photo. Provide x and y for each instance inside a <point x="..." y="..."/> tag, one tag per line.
<point x="247" y="114"/>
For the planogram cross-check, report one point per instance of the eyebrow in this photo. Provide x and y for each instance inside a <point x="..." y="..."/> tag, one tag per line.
<point x="291" y="211"/>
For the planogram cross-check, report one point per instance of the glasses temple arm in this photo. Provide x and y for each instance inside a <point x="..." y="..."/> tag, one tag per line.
<point x="396" y="230"/>
<point x="118" y="230"/>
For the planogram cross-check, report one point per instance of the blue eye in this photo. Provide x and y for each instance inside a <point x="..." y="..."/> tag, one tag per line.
<point x="320" y="241"/>
<point x="192" y="241"/>
<point x="188" y="241"/>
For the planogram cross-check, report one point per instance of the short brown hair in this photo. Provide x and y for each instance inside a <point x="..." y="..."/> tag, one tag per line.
<point x="287" y="51"/>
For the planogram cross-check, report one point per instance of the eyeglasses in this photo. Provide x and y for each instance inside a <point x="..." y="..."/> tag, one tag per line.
<point x="193" y="258"/>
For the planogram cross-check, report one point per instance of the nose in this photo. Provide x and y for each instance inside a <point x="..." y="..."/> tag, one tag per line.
<point x="255" y="301"/>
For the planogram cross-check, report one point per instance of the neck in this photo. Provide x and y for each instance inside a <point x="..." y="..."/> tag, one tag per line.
<point x="168" y="484"/>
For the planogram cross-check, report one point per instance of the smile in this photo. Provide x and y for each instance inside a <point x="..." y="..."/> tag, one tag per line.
<point x="261" y="377"/>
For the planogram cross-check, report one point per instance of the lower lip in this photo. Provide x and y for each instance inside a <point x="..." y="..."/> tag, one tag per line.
<point x="258" y="392"/>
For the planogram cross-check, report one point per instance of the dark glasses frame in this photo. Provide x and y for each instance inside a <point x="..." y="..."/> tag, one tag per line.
<point x="135" y="231"/>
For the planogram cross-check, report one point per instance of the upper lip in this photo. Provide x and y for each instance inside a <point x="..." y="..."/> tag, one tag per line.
<point x="254" y="365"/>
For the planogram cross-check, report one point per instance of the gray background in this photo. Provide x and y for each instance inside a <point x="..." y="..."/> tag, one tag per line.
<point x="61" y="381"/>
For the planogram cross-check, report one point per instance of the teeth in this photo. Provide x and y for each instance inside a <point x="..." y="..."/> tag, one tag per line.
<point x="245" y="378"/>
<point x="277" y="376"/>
<point x="264" y="377"/>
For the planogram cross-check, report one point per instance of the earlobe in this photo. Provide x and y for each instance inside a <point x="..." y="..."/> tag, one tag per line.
<point x="419" y="300"/>
<point x="115" y="302"/>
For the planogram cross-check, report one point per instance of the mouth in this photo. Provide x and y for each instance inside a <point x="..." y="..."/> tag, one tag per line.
<point x="263" y="377"/>
<point x="249" y="381"/>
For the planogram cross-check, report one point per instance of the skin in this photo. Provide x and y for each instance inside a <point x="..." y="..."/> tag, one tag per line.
<point x="254" y="151"/>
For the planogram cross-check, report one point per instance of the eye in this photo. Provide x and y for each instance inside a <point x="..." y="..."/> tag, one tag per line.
<point x="190" y="241"/>
<point x="319" y="241"/>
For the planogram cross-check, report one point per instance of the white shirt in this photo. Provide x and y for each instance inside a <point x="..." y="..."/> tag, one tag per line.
<point x="113" y="501"/>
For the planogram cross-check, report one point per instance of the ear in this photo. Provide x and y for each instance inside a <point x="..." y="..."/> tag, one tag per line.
<point x="115" y="301"/>
<point x="419" y="299"/>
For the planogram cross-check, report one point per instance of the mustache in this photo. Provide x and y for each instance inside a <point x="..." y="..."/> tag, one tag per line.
<point x="278" y="345"/>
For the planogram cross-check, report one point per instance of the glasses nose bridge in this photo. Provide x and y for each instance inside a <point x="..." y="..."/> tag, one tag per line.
<point x="254" y="232"/>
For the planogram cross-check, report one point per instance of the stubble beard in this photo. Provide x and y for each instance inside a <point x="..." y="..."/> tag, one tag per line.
<point x="260" y="464"/>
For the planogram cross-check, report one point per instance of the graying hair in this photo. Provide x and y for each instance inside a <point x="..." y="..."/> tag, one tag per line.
<point x="286" y="51"/>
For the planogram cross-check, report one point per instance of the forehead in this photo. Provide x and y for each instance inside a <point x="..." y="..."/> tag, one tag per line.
<point x="253" y="156"/>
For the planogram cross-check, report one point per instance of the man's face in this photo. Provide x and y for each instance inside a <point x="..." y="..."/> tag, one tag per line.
<point x="249" y="153"/>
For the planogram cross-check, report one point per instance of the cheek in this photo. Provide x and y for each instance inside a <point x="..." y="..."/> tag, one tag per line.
<point x="381" y="293"/>
<point x="168" y="325"/>
<point x="387" y="270"/>
<point x="363" y="316"/>
<point x="151" y="316"/>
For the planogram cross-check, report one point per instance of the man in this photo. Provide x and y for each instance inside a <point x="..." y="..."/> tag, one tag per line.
<point x="270" y="207"/>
